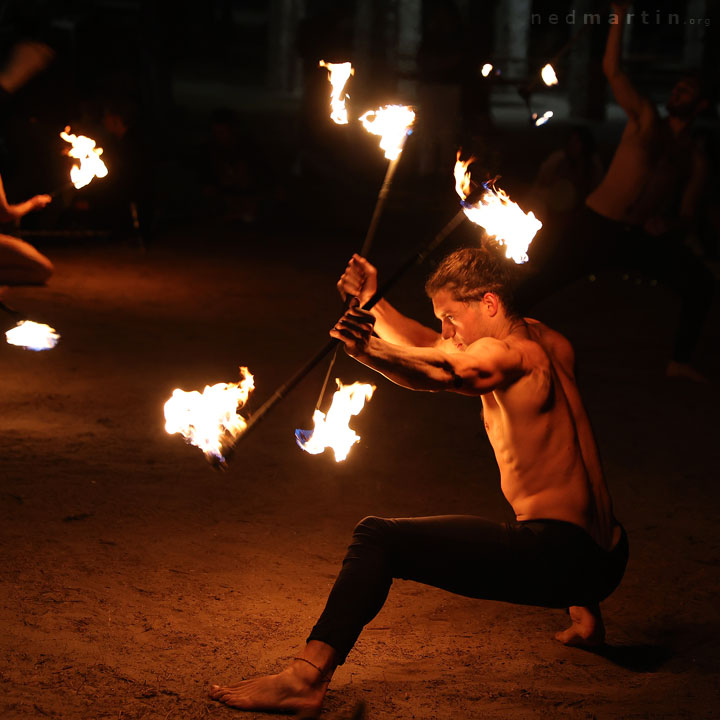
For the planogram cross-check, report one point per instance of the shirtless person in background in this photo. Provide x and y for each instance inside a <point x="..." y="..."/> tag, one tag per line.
<point x="565" y="549"/>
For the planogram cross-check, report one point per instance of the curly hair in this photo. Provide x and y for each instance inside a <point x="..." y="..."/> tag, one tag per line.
<point x="469" y="273"/>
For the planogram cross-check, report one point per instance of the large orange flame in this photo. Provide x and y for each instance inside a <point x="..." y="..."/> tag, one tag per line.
<point x="207" y="419"/>
<point x="500" y="216"/>
<point x="391" y="123"/>
<point x="338" y="75"/>
<point x="83" y="149"/>
<point x="333" y="430"/>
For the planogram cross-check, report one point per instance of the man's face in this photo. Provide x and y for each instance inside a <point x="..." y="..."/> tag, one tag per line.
<point x="684" y="98"/>
<point x="462" y="322"/>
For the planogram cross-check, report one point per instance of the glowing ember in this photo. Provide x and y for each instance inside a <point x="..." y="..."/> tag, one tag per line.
<point x="486" y="69"/>
<point x="499" y="215"/>
<point x="83" y="149"/>
<point x="548" y="75"/>
<point x="541" y="119"/>
<point x="338" y="74"/>
<point x="32" y="336"/>
<point x="392" y="123"/>
<point x="207" y="419"/>
<point x="333" y="431"/>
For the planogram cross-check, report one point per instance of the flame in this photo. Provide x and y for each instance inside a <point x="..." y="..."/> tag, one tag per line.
<point x="392" y="123"/>
<point x="338" y="74"/>
<point x="32" y="336"/>
<point x="206" y="419"/>
<point x="500" y="216"/>
<point x="539" y="120"/>
<point x="548" y="75"/>
<point x="83" y="149"/>
<point x="333" y="430"/>
<point x="486" y="69"/>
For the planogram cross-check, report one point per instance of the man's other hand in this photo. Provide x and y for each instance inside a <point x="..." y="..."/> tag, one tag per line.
<point x="359" y="280"/>
<point x="40" y="201"/>
<point x="354" y="329"/>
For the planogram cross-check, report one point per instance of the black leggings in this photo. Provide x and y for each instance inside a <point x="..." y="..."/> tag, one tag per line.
<point x="549" y="563"/>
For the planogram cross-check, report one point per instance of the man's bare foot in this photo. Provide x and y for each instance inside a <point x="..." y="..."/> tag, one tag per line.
<point x="684" y="370"/>
<point x="300" y="688"/>
<point x="587" y="629"/>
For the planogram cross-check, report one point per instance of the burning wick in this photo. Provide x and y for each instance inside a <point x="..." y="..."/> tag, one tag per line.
<point x="539" y="120"/>
<point x="548" y="75"/>
<point x="500" y="216"/>
<point x="83" y="149"/>
<point x="206" y="419"/>
<point x="32" y="336"/>
<point x="338" y="75"/>
<point x="333" y="430"/>
<point x="392" y="123"/>
<point x="486" y="69"/>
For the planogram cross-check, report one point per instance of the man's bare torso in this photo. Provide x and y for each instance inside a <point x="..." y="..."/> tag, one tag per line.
<point x="543" y="442"/>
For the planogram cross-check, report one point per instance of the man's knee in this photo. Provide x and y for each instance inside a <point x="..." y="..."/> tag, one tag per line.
<point x="373" y="530"/>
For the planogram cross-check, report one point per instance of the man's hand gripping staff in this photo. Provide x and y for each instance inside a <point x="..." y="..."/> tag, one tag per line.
<point x="354" y="329"/>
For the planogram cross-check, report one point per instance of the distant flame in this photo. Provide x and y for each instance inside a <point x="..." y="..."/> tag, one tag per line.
<point x="487" y="68"/>
<point x="207" y="419"/>
<point x="338" y="74"/>
<point x="499" y="215"/>
<point x="392" y="123"/>
<point x="333" y="431"/>
<point x="32" y="336"/>
<point x="548" y="75"/>
<point x="83" y="149"/>
<point x="541" y="119"/>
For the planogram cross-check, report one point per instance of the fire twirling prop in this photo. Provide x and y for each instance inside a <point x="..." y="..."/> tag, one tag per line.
<point x="486" y="69"/>
<point x="209" y="420"/>
<point x="338" y="75"/>
<point x="90" y="165"/>
<point x="393" y="124"/>
<point x="500" y="216"/>
<point x="28" y="334"/>
<point x="539" y="120"/>
<point x="286" y="388"/>
<point x="333" y="430"/>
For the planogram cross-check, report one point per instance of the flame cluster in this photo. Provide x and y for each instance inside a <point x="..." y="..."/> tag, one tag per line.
<point x="208" y="419"/>
<point x="391" y="122"/>
<point x="333" y="430"/>
<point x="500" y="216"/>
<point x="83" y="148"/>
<point x="32" y="336"/>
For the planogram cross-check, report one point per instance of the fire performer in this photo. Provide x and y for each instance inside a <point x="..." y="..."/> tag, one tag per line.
<point x="20" y="262"/>
<point x="564" y="550"/>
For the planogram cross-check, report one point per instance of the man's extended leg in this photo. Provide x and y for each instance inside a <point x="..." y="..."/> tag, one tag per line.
<point x="547" y="563"/>
<point x="21" y="263"/>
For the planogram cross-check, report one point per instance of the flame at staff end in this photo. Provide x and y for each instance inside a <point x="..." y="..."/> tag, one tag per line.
<point x="548" y="75"/>
<point x="206" y="419"/>
<point x="500" y="216"/>
<point x="32" y="336"/>
<point x="83" y="149"/>
<point x="338" y="75"/>
<point x="333" y="430"/>
<point x="392" y="123"/>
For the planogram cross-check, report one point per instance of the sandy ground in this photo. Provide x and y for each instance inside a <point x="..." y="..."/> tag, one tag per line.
<point x="132" y="575"/>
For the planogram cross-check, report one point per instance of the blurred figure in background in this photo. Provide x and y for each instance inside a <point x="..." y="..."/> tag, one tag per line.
<point x="20" y="262"/>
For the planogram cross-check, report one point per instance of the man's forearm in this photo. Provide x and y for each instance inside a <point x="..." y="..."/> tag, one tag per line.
<point x="416" y="368"/>
<point x="396" y="328"/>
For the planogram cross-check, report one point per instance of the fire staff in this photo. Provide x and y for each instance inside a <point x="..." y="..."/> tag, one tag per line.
<point x="564" y="550"/>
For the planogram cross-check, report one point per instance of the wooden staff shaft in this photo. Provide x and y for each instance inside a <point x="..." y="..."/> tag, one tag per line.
<point x="416" y="259"/>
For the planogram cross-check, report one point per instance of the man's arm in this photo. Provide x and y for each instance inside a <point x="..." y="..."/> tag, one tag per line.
<point x="629" y="99"/>
<point x="486" y="365"/>
<point x="13" y="212"/>
<point x="360" y="280"/>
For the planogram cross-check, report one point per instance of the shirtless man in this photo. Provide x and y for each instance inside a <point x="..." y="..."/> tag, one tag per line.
<point x="565" y="548"/>
<point x="637" y="217"/>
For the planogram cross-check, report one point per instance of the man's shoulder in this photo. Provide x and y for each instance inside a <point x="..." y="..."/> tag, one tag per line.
<point x="552" y="343"/>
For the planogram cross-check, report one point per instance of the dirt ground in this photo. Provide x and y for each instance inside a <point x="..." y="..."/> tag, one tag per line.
<point x="132" y="575"/>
